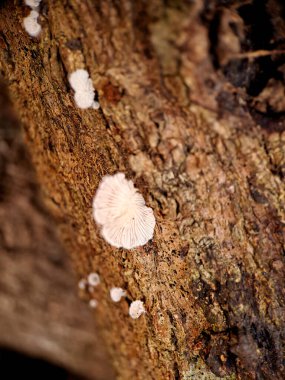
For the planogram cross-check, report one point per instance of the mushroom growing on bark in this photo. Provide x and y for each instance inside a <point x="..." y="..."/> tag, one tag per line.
<point x="120" y="210"/>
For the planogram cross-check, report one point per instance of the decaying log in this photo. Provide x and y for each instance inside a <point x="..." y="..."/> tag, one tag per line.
<point x="40" y="313"/>
<point x="192" y="110"/>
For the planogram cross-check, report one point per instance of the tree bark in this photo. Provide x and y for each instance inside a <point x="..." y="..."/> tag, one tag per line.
<point x="192" y="110"/>
<point x="39" y="315"/>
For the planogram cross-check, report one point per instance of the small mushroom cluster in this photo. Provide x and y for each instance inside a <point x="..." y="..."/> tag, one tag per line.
<point x="125" y="221"/>
<point x="81" y="83"/>
<point x="93" y="280"/>
<point x="136" y="308"/>
<point x="118" y="208"/>
<point x="31" y="25"/>
<point x="84" y="91"/>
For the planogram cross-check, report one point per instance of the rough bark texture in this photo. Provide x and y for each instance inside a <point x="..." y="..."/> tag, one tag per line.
<point x="192" y="97"/>
<point x="40" y="313"/>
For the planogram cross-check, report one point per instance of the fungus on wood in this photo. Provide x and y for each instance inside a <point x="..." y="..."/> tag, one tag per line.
<point x="84" y="91"/>
<point x="188" y="113"/>
<point x="120" y="211"/>
<point x="116" y="294"/>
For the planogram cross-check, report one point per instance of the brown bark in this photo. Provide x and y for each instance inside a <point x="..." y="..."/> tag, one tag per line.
<point x="40" y="313"/>
<point x="192" y="97"/>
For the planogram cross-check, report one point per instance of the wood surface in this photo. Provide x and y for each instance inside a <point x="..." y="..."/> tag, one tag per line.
<point x="192" y="110"/>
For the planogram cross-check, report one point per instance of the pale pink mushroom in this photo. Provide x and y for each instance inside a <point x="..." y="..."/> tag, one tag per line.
<point x="136" y="309"/>
<point x="117" y="293"/>
<point x="121" y="212"/>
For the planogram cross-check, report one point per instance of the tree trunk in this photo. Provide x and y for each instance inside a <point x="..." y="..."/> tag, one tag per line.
<point x="39" y="315"/>
<point x="192" y="110"/>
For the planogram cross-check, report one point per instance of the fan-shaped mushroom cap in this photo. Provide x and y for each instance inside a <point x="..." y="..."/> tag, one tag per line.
<point x="121" y="212"/>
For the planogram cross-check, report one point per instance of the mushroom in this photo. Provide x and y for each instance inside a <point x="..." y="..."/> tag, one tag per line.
<point x="136" y="309"/>
<point x="93" y="279"/>
<point x="33" y="3"/>
<point x="117" y="293"/>
<point x="120" y="210"/>
<point x="93" y="304"/>
<point x="31" y="24"/>
<point x="84" y="91"/>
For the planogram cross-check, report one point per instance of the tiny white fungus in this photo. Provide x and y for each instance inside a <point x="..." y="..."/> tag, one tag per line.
<point x="82" y="284"/>
<point x="136" y="309"/>
<point x="121" y="212"/>
<point x="93" y="279"/>
<point x="93" y="303"/>
<point x="96" y="105"/>
<point x="90" y="289"/>
<point x="117" y="293"/>
<point x="84" y="91"/>
<point x="84" y="100"/>
<point x="79" y="80"/>
<point x="31" y="24"/>
<point x="231" y="188"/>
<point x="32" y="3"/>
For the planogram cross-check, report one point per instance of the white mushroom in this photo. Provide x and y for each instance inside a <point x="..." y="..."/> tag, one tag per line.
<point x="84" y="100"/>
<point x="93" y="279"/>
<point x="31" y="24"/>
<point x="79" y="80"/>
<point x="93" y="304"/>
<point x="136" y="309"/>
<point x="121" y="212"/>
<point x="32" y="3"/>
<point x="117" y="293"/>
<point x="96" y="105"/>
<point x="82" y="284"/>
<point x="84" y="91"/>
